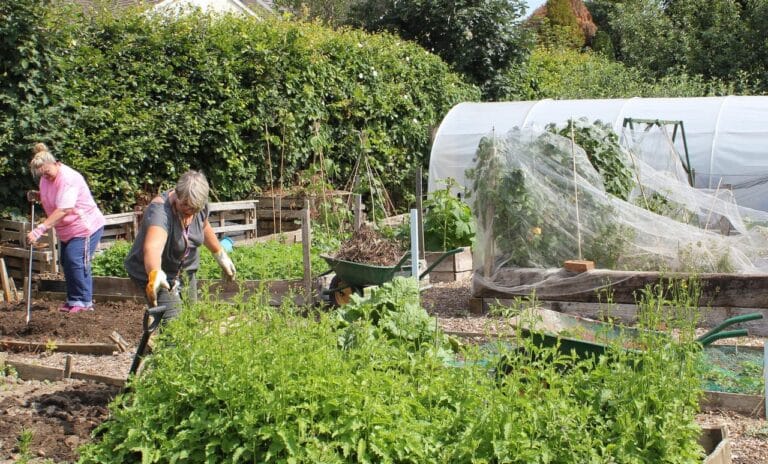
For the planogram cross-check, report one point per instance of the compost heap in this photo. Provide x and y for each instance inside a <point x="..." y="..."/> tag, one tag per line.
<point x="368" y="246"/>
<point x="534" y="211"/>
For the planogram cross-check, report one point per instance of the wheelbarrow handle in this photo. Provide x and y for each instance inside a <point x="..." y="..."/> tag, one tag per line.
<point x="440" y="260"/>
<point x="731" y="321"/>
<point x="720" y="335"/>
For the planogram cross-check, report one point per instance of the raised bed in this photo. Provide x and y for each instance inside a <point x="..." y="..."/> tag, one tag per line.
<point x="122" y="288"/>
<point x="452" y="268"/>
<point x="27" y="371"/>
<point x="716" y="444"/>
<point x="724" y="290"/>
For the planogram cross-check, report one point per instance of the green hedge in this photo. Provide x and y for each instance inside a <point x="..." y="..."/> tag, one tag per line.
<point x="570" y="74"/>
<point x="133" y="100"/>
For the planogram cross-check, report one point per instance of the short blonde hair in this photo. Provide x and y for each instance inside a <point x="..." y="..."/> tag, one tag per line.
<point x="192" y="188"/>
<point x="40" y="157"/>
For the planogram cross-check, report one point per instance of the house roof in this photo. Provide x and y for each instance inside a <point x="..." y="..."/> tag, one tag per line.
<point x="259" y="4"/>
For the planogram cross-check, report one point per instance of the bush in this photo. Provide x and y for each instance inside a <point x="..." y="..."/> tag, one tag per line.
<point x="570" y="74"/>
<point x="262" y="261"/>
<point x="138" y="99"/>
<point x="245" y="383"/>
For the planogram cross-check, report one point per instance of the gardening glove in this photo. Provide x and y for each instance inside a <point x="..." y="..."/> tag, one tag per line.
<point x="33" y="196"/>
<point x="157" y="279"/>
<point x="36" y="233"/>
<point x="226" y="264"/>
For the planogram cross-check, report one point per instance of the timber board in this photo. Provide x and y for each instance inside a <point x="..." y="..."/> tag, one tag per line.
<point x="726" y="290"/>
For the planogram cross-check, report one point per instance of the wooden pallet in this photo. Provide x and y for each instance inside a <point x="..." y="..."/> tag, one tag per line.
<point x="236" y="219"/>
<point x="278" y="214"/>
<point x="15" y="252"/>
<point x="120" y="226"/>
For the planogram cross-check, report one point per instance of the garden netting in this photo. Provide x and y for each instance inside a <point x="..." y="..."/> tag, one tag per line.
<point x="539" y="200"/>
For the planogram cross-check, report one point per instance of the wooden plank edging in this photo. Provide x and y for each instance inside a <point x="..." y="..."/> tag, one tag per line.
<point x="77" y="348"/>
<point x="27" y="371"/>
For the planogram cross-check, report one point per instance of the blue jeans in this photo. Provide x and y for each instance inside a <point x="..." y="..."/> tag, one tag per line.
<point x="76" y="256"/>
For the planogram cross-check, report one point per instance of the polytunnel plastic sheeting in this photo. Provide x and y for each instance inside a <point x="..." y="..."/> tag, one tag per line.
<point x="727" y="137"/>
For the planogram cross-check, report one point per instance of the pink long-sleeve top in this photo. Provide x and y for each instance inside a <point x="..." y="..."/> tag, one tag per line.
<point x="69" y="190"/>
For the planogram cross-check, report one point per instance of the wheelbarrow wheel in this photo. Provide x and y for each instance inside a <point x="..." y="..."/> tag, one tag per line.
<point x="344" y="293"/>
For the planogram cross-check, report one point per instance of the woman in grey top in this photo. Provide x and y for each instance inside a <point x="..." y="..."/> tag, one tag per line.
<point x="165" y="254"/>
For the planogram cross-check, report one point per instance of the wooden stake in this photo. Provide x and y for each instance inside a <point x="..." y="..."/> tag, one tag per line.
<point x="4" y="281"/>
<point x="14" y="290"/>
<point x="306" y="246"/>
<point x="68" y="366"/>
<point x="119" y="341"/>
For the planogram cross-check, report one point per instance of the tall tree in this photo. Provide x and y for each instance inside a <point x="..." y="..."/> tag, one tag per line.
<point x="563" y="24"/>
<point x="479" y="38"/>
<point x="713" y="33"/>
<point x="646" y="37"/>
<point x="332" y="12"/>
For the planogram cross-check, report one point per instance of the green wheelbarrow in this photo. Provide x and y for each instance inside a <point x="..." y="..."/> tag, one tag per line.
<point x="587" y="337"/>
<point x="353" y="277"/>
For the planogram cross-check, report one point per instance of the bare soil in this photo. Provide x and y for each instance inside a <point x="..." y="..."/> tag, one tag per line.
<point x="60" y="416"/>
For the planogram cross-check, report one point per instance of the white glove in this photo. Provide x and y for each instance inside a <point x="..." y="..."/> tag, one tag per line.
<point x="35" y="234"/>
<point x="157" y="279"/>
<point x="226" y="263"/>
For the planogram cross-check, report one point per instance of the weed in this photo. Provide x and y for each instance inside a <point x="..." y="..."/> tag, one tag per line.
<point x="25" y="445"/>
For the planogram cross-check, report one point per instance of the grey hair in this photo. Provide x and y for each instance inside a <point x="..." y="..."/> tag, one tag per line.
<point x="40" y="157"/>
<point x="192" y="188"/>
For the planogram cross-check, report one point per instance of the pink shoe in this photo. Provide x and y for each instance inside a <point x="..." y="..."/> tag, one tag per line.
<point x="80" y="309"/>
<point x="65" y="308"/>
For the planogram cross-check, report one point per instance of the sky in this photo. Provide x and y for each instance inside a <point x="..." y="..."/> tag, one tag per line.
<point x="532" y="5"/>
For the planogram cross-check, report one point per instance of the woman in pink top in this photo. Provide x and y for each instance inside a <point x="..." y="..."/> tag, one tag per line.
<point x="70" y="208"/>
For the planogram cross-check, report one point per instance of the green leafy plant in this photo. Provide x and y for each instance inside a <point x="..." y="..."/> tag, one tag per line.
<point x="110" y="262"/>
<point x="284" y="390"/>
<point x="393" y="312"/>
<point x="261" y="261"/>
<point x="524" y="202"/>
<point x="448" y="221"/>
<point x="264" y="261"/>
<point x="25" y="445"/>
<point x="601" y="144"/>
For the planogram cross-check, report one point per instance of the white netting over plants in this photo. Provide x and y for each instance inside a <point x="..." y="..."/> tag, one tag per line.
<point x="533" y="211"/>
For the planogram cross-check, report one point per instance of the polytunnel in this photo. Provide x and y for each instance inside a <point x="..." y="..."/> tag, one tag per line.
<point x="727" y="137"/>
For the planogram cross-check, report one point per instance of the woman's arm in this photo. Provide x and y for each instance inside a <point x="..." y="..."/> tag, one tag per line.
<point x="209" y="238"/>
<point x="35" y="234"/>
<point x="212" y="243"/>
<point x="55" y="217"/>
<point x="154" y="243"/>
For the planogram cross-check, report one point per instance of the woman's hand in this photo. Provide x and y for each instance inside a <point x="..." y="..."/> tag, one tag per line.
<point x="33" y="196"/>
<point x="157" y="279"/>
<point x="34" y="235"/>
<point x="226" y="264"/>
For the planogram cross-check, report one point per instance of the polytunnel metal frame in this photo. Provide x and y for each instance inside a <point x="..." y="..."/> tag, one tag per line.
<point x="661" y="123"/>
